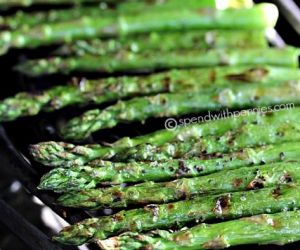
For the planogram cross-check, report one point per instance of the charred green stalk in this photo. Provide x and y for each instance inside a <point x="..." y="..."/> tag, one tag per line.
<point x="79" y="178"/>
<point x="25" y="21"/>
<point x="161" y="60"/>
<point x="104" y="90"/>
<point x="28" y="20"/>
<point x="159" y="5"/>
<point x="171" y="41"/>
<point x="277" y="127"/>
<point x="258" y="17"/>
<point x="168" y="105"/>
<point x="163" y="192"/>
<point x="259" y="229"/>
<point x="245" y="136"/>
<point x="199" y="209"/>
<point x="4" y="4"/>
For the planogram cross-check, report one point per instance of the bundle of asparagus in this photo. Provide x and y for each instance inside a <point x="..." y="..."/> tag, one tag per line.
<point x="225" y="206"/>
<point x="280" y="229"/>
<point x="164" y="105"/>
<point x="249" y="130"/>
<point x="224" y="169"/>
<point x="27" y="20"/>
<point x="99" y="172"/>
<point x="269" y="200"/>
<point x="114" y="88"/>
<point x="258" y="17"/>
<point x="240" y="179"/>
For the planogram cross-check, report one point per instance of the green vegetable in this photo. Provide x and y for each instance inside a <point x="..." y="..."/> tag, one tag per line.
<point x="161" y="60"/>
<point x="258" y="17"/>
<point x="168" y="105"/>
<point x="79" y="178"/>
<point x="27" y="20"/>
<point x="225" y="206"/>
<point x="281" y="228"/>
<point x="110" y="89"/>
<point x="163" y="192"/>
<point x="264" y="128"/>
<point x="171" y="41"/>
<point x="6" y="4"/>
<point x="142" y="6"/>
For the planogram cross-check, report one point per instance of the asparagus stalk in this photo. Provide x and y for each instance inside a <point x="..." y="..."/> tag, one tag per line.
<point x="104" y="90"/>
<point x="160" y="60"/>
<point x="246" y="136"/>
<point x="274" y="126"/>
<point x="178" y="4"/>
<point x="258" y="17"/>
<point x="172" y="41"/>
<point x="128" y="5"/>
<point x="225" y="206"/>
<point x="163" y="192"/>
<point x="79" y="178"/>
<point x="164" y="105"/>
<point x="259" y="229"/>
<point x="4" y="4"/>
<point x="27" y="20"/>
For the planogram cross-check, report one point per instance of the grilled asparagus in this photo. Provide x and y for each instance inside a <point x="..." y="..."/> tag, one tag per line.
<point x="161" y="60"/>
<point x="79" y="178"/>
<point x="166" y="105"/>
<point x="104" y="90"/>
<point x="258" y="17"/>
<point x="27" y="20"/>
<point x="225" y="206"/>
<point x="278" y="127"/>
<point x="259" y="229"/>
<point x="241" y="179"/>
<point x="172" y="41"/>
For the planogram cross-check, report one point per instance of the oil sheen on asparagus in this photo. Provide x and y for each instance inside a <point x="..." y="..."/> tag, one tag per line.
<point x="199" y="209"/>
<point x="98" y="172"/>
<point x="150" y="61"/>
<point x="260" y="16"/>
<point x="241" y="179"/>
<point x="170" y="105"/>
<point x="259" y="229"/>
<point x="264" y="127"/>
<point x="84" y="92"/>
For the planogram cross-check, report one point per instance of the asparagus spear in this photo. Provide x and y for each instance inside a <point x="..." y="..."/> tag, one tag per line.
<point x="172" y="41"/>
<point x="128" y="5"/>
<point x="225" y="206"/>
<point x="164" y="105"/>
<point x="4" y="4"/>
<point x="280" y="229"/>
<point x="159" y="60"/>
<point x="258" y="17"/>
<point x="79" y="178"/>
<point x="246" y="136"/>
<point x="104" y="90"/>
<point x="26" y="20"/>
<point x="163" y="192"/>
<point x="178" y="4"/>
<point x="274" y="126"/>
